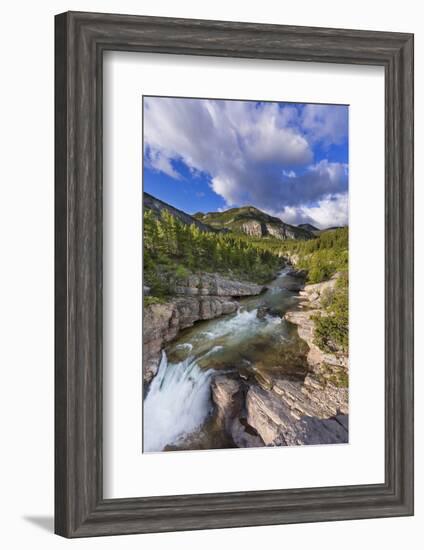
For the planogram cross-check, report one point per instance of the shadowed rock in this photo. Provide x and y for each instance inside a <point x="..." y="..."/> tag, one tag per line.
<point x="228" y="397"/>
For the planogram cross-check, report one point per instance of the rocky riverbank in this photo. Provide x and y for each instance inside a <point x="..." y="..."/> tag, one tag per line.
<point x="198" y="297"/>
<point x="274" y="409"/>
<point x="310" y="304"/>
<point x="290" y="412"/>
<point x="269" y="384"/>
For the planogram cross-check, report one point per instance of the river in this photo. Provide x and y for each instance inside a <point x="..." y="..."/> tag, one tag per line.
<point x="178" y="408"/>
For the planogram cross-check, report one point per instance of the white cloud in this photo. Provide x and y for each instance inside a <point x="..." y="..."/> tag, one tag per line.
<point x="252" y="153"/>
<point x="274" y="191"/>
<point x="328" y="212"/>
<point x="221" y="136"/>
<point x="325" y="123"/>
<point x="157" y="161"/>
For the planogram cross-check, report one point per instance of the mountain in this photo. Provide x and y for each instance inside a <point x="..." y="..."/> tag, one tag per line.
<point x="157" y="206"/>
<point x="253" y="222"/>
<point x="332" y="228"/>
<point x="316" y="231"/>
<point x="309" y="227"/>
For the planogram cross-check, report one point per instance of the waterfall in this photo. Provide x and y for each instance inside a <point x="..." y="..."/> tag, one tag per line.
<point x="179" y="397"/>
<point x="177" y="403"/>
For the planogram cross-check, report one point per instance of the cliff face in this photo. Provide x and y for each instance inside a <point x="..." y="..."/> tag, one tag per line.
<point x="280" y="231"/>
<point x="285" y="231"/>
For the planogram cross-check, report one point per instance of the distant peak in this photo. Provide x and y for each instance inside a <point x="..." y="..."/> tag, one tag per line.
<point x="308" y="226"/>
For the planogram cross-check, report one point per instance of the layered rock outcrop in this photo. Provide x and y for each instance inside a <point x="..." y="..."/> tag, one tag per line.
<point x="286" y="412"/>
<point x="292" y="420"/>
<point x="310" y="305"/>
<point x="282" y="410"/>
<point x="213" y="284"/>
<point x="277" y="229"/>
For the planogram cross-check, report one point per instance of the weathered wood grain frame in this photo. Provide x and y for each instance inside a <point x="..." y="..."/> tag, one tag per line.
<point x="81" y="39"/>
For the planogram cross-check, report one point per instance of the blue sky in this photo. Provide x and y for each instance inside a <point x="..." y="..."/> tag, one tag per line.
<point x="290" y="160"/>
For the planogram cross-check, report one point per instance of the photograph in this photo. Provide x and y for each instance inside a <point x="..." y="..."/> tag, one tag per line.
<point x="245" y="274"/>
<point x="209" y="275"/>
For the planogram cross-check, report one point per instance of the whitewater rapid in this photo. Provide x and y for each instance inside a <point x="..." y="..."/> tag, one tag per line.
<point x="178" y="401"/>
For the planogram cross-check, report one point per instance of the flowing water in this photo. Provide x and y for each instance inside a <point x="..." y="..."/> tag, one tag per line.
<point x="177" y="408"/>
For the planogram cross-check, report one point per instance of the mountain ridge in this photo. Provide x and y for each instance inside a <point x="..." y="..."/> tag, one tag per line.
<point x="309" y="227"/>
<point x="157" y="206"/>
<point x="245" y="219"/>
<point x="254" y="222"/>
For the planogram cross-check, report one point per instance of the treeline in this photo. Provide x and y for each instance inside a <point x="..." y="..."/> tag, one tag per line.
<point x="321" y="257"/>
<point x="174" y="249"/>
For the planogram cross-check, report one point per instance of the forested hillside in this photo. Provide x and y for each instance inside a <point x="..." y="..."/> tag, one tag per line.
<point x="173" y="248"/>
<point x="321" y="257"/>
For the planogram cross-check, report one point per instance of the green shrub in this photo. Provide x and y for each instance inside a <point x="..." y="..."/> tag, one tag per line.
<point x="181" y="272"/>
<point x="150" y="300"/>
<point x="332" y="328"/>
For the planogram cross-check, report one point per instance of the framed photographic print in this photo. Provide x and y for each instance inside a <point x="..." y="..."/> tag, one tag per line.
<point x="234" y="274"/>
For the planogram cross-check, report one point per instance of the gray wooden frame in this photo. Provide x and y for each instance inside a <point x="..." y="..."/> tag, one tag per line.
<point x="80" y="40"/>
